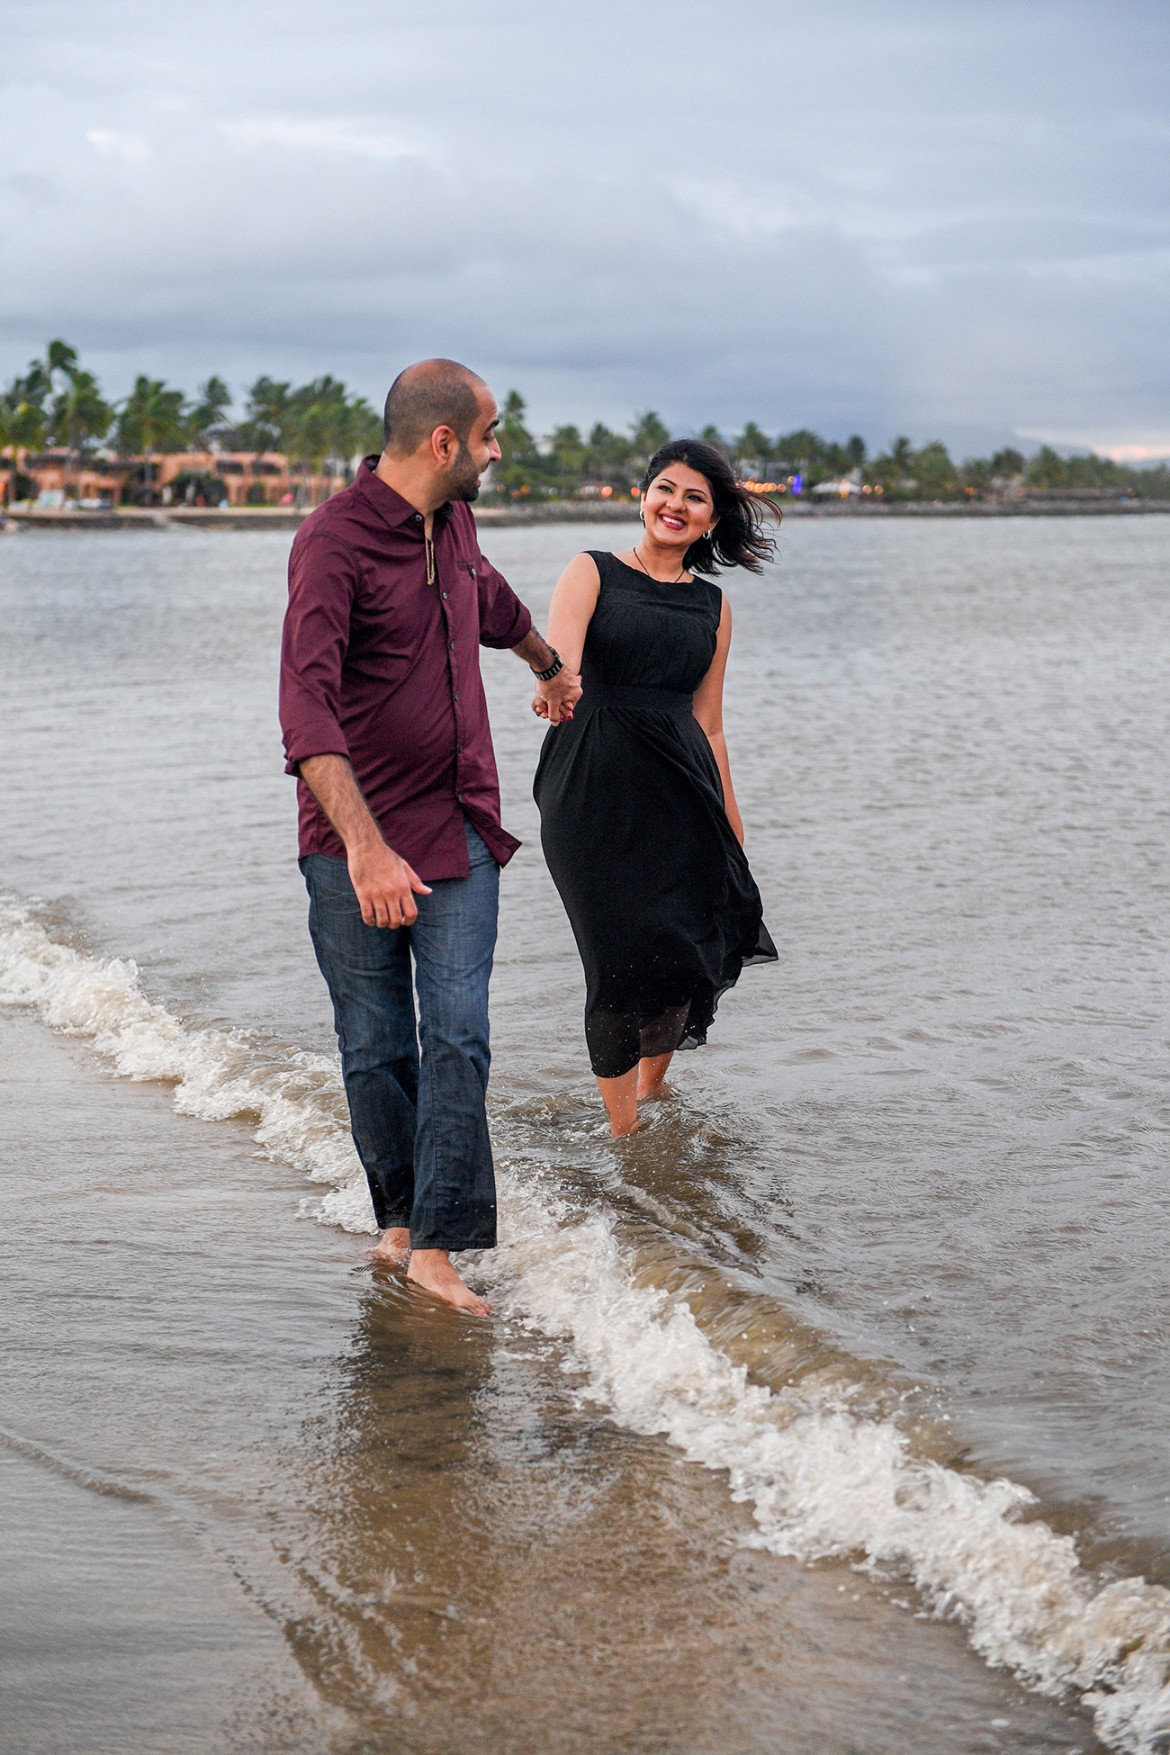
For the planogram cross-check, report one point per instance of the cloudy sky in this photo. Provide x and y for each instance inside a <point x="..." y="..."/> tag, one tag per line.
<point x="924" y="216"/>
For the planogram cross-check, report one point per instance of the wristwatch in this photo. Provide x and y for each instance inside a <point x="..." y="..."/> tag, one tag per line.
<point x="557" y="664"/>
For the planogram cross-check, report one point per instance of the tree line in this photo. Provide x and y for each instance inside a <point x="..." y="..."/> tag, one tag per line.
<point x="56" y="404"/>
<point x="321" y="425"/>
<point x="559" y="464"/>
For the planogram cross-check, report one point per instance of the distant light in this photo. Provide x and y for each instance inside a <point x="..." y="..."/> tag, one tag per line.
<point x="797" y="484"/>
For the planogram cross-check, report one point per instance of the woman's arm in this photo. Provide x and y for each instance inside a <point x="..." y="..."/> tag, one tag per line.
<point x="709" y="712"/>
<point x="569" y="615"/>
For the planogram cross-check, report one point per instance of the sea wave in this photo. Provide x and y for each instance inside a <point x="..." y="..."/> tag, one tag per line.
<point x="823" y="1476"/>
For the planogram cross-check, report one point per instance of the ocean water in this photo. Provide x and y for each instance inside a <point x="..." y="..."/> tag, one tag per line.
<point x="827" y="1414"/>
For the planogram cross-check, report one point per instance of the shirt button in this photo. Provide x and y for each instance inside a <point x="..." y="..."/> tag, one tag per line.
<point x="444" y="597"/>
<point x="451" y="643"/>
<point x="458" y="798"/>
<point x="417" y="519"/>
<point x="454" y="697"/>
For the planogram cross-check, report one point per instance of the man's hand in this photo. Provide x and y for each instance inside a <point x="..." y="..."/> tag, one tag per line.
<point x="384" y="885"/>
<point x="556" y="699"/>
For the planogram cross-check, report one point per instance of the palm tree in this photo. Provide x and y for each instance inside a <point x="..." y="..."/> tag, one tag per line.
<point x="267" y="417"/>
<point x="80" y="412"/>
<point x="647" y="435"/>
<point x="151" y="419"/>
<point x="319" y="424"/>
<point x="363" y="430"/>
<point x="205" y="421"/>
<point x="519" y="468"/>
<point x="25" y="422"/>
<point x="752" y="448"/>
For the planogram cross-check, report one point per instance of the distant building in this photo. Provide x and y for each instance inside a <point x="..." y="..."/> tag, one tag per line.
<point x="843" y="489"/>
<point x="242" y="478"/>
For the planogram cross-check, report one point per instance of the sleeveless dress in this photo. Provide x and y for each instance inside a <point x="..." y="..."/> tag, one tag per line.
<point x="657" y="889"/>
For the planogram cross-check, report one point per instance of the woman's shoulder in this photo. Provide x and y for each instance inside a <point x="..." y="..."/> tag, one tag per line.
<point x="710" y="592"/>
<point x="611" y="569"/>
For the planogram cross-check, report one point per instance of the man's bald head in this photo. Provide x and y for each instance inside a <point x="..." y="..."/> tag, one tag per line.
<point x="434" y="393"/>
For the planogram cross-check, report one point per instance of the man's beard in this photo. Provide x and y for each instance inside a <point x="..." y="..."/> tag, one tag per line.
<point x="463" y="477"/>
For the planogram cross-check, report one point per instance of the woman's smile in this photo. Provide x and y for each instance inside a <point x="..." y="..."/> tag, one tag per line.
<point x="677" y="507"/>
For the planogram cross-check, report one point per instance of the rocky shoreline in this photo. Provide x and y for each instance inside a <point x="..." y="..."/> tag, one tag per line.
<point x="568" y="512"/>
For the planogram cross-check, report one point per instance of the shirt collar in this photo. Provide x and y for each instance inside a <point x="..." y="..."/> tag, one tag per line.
<point x="387" y="501"/>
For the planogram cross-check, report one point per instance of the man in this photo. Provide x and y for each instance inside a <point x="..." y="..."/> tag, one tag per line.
<point x="385" y="725"/>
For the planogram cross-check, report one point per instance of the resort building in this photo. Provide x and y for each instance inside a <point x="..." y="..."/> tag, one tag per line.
<point x="172" y="478"/>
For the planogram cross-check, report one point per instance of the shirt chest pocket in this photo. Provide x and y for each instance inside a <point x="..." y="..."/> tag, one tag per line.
<point x="463" y="587"/>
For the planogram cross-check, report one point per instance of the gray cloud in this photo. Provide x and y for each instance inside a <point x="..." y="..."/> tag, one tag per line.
<point x="934" y="218"/>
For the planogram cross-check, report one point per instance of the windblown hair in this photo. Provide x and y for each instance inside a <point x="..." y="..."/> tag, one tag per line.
<point x="738" y="539"/>
<point x="434" y="393"/>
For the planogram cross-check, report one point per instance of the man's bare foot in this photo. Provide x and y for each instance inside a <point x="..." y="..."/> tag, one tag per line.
<point x="621" y="1127"/>
<point x="431" y="1269"/>
<point x="394" y="1246"/>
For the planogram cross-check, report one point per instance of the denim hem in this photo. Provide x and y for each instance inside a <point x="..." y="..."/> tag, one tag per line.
<point x="445" y="1242"/>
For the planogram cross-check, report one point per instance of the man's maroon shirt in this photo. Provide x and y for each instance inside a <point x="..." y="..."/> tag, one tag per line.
<point x="382" y="668"/>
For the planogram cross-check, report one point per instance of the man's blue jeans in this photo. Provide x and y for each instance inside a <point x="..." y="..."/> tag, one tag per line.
<point x="416" y="1097"/>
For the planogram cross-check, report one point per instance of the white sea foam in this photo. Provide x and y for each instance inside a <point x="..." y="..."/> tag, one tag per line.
<point x="820" y="1480"/>
<point x="296" y="1097"/>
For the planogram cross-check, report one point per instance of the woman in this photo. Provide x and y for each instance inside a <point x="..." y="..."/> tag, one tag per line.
<point x="638" y="817"/>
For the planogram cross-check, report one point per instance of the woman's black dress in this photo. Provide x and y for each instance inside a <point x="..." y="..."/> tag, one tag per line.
<point x="655" y="884"/>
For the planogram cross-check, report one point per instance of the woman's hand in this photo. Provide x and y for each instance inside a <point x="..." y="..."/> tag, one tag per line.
<point x="555" y="700"/>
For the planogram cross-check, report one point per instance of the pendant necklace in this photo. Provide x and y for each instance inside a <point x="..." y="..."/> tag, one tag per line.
<point x="650" y="575"/>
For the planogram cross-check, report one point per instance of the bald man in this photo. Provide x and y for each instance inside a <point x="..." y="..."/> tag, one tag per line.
<point x="386" y="728"/>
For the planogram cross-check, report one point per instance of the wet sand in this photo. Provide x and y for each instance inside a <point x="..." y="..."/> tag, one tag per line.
<point x="258" y="1497"/>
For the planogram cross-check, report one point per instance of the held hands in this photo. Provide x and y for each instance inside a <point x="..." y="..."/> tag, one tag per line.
<point x="384" y="885"/>
<point x="555" y="700"/>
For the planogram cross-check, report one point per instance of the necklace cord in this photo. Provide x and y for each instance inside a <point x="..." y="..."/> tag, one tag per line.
<point x="654" y="576"/>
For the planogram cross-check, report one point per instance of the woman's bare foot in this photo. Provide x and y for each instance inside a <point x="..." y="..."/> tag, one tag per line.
<point x="431" y="1269"/>
<point x="394" y="1246"/>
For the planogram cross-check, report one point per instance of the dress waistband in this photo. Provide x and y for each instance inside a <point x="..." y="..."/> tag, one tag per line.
<point x="599" y="694"/>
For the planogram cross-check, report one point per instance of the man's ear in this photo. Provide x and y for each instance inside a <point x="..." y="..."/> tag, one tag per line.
<point x="444" y="446"/>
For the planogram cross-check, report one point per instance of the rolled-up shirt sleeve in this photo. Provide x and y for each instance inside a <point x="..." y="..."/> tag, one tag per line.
<point x="322" y="580"/>
<point x="503" y="619"/>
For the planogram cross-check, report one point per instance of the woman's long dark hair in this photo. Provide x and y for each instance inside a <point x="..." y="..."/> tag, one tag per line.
<point x="738" y="539"/>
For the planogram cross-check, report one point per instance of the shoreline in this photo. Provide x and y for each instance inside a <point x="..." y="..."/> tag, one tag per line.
<point x="563" y="512"/>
